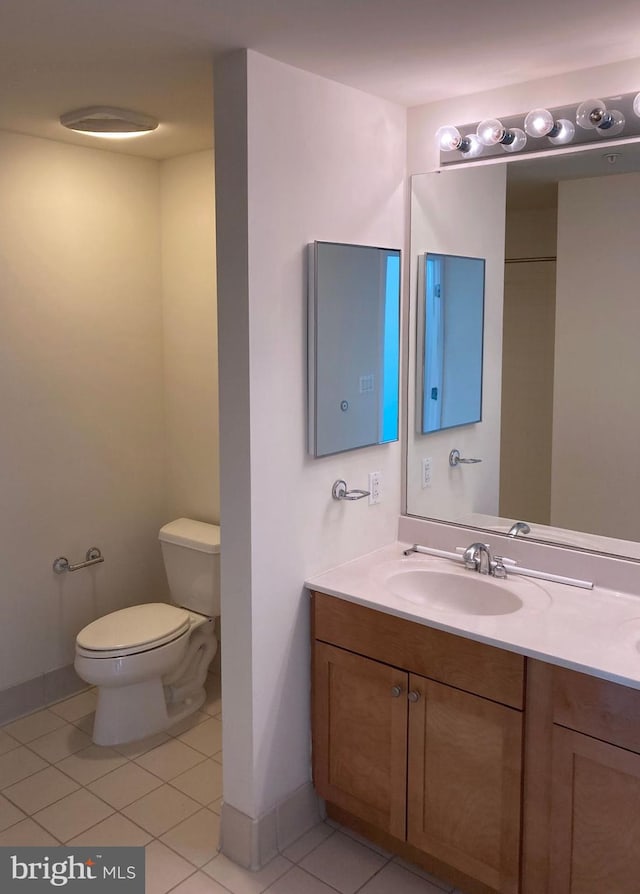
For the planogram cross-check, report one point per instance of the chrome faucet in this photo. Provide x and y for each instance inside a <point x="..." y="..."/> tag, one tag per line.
<point x="518" y="528"/>
<point x="477" y="557"/>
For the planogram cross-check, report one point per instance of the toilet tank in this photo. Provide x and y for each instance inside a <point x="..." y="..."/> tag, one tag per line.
<point x="191" y="554"/>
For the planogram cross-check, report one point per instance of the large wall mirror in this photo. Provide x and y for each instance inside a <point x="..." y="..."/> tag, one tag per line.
<point x="354" y="346"/>
<point x="561" y="412"/>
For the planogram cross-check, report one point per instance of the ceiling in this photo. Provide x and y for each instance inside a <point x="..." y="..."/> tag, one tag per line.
<point x="155" y="56"/>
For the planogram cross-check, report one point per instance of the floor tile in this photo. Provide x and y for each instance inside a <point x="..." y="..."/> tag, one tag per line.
<point x="132" y="750"/>
<point x="216" y="806"/>
<point x="170" y="760"/>
<point x="17" y="764"/>
<point x="307" y="842"/>
<point x="399" y="880"/>
<point x="343" y="863"/>
<point x="125" y="785"/>
<point x="297" y="881"/>
<point x="7" y="743"/>
<point x="86" y="723"/>
<point x="439" y="883"/>
<point x="34" y="725"/>
<point x="188" y="723"/>
<point x="91" y="763"/>
<point x="197" y="838"/>
<point x="242" y="881"/>
<point x="77" y="706"/>
<point x="40" y="790"/>
<point x="200" y="884"/>
<point x="27" y="834"/>
<point x="9" y="814"/>
<point x="161" y="809"/>
<point x="206" y="737"/>
<point x="164" y="869"/>
<point x="115" y="831"/>
<point x="60" y="744"/>
<point x="72" y="815"/>
<point x="367" y="843"/>
<point x="202" y="782"/>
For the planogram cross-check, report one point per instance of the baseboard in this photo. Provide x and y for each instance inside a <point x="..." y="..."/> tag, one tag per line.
<point x="254" y="842"/>
<point x="39" y="692"/>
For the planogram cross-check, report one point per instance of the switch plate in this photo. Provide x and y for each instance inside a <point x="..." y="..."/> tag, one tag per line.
<point x="375" y="487"/>
<point x="426" y="471"/>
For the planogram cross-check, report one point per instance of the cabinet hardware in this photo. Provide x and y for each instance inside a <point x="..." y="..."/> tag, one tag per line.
<point x="396" y="691"/>
<point x="414" y="696"/>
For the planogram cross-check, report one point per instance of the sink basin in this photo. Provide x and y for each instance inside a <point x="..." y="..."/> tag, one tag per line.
<point x="468" y="594"/>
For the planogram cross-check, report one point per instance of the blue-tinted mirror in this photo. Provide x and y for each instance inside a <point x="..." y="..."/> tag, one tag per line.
<point x="354" y="346"/>
<point x="451" y="328"/>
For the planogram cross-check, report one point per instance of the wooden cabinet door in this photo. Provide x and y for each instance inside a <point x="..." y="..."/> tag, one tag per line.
<point x="464" y="792"/>
<point x="595" y="821"/>
<point x="360" y="736"/>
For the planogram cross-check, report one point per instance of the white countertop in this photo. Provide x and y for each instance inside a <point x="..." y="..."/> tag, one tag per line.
<point x="593" y="631"/>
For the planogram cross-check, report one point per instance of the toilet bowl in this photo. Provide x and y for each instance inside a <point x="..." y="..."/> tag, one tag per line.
<point x="149" y="662"/>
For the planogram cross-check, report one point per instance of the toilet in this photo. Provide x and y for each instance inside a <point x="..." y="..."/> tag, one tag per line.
<point x="149" y="662"/>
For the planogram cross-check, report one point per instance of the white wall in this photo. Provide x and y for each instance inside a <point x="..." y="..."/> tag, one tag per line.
<point x="305" y="159"/>
<point x="462" y="213"/>
<point x="190" y="336"/>
<point x="82" y="446"/>
<point x="596" y="423"/>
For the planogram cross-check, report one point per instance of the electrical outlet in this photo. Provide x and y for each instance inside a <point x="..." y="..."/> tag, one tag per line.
<point x="375" y="487"/>
<point x="426" y="471"/>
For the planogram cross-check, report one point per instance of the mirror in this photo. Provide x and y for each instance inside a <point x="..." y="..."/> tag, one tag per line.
<point x="451" y="314"/>
<point x="353" y="346"/>
<point x="559" y="446"/>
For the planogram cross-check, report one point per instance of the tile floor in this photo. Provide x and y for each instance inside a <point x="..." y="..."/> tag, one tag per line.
<point x="56" y="787"/>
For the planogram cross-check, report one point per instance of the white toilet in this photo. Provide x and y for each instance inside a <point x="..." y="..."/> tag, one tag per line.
<point x="150" y="661"/>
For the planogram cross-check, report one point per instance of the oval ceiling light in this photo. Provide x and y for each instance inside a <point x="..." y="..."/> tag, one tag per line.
<point x="108" y="122"/>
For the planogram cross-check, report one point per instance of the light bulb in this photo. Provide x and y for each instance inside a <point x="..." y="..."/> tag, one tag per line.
<point x="539" y="123"/>
<point x="471" y="146"/>
<point x="590" y="113"/>
<point x="565" y="131"/>
<point x="448" y="138"/>
<point x="516" y="140"/>
<point x="612" y="124"/>
<point x="636" y="105"/>
<point x="490" y="131"/>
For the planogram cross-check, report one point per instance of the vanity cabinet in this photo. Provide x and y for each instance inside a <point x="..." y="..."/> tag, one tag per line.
<point x="418" y="733"/>
<point x="583" y="828"/>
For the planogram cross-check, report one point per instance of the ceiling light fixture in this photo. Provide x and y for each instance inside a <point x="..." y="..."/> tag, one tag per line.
<point x="108" y="122"/>
<point x="596" y="119"/>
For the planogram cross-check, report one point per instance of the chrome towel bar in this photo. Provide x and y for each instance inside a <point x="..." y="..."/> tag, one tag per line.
<point x="93" y="557"/>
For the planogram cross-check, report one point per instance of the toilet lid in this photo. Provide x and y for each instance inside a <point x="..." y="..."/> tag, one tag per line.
<point x="138" y="625"/>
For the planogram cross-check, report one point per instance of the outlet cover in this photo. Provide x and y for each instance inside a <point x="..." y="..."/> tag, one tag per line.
<point x="375" y="487"/>
<point x="426" y="471"/>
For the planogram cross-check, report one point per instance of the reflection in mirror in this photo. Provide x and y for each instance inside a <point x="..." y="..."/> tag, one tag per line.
<point x="569" y="413"/>
<point x="354" y="346"/>
<point x="451" y="332"/>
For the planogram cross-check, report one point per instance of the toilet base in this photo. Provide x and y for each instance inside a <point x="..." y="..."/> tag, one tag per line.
<point x="129" y="713"/>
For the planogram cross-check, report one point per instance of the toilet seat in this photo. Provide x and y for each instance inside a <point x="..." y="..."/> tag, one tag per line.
<point x="133" y="630"/>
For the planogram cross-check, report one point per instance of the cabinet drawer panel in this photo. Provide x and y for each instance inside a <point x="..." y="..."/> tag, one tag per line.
<point x="445" y="657"/>
<point x="605" y="710"/>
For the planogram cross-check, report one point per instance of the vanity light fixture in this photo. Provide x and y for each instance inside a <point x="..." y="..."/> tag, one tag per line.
<point x="108" y="122"/>
<point x="589" y="121"/>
